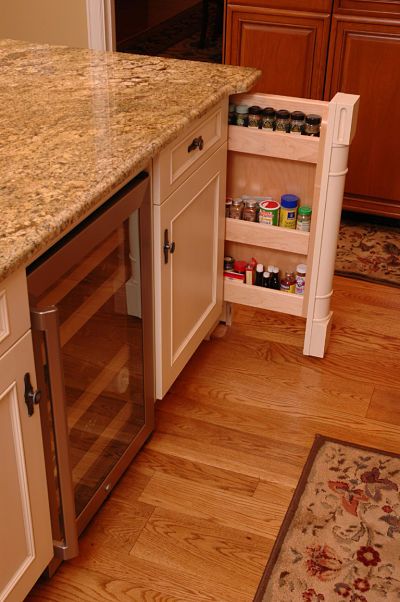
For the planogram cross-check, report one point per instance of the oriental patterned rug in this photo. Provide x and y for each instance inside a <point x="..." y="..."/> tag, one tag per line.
<point x="369" y="251"/>
<point x="340" y="539"/>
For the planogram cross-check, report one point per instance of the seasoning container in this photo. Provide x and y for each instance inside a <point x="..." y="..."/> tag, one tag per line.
<point x="268" y="119"/>
<point x="288" y="283"/>
<point x="228" y="204"/>
<point x="304" y="218"/>
<point x="301" y="271"/>
<point x="268" y="213"/>
<point x="259" y="274"/>
<point x="312" y="125"/>
<point x="250" y="210"/>
<point x="266" y="279"/>
<point x="254" y="119"/>
<point x="297" y="120"/>
<point x="288" y="211"/>
<point x="228" y="263"/>
<point x="250" y="274"/>
<point x="282" y="123"/>
<point x="274" y="280"/>
<point x="231" y="115"/>
<point x="242" y="115"/>
<point x="236" y="208"/>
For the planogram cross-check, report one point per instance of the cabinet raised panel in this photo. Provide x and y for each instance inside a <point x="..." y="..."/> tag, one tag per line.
<point x="25" y="533"/>
<point x="365" y="60"/>
<point x="289" y="48"/>
<point x="379" y="8"/>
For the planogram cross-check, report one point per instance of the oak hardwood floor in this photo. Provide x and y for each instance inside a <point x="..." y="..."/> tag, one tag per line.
<point x="195" y="516"/>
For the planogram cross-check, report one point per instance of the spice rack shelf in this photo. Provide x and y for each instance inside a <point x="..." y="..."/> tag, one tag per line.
<point x="256" y="296"/>
<point x="263" y="163"/>
<point x="273" y="144"/>
<point x="271" y="237"/>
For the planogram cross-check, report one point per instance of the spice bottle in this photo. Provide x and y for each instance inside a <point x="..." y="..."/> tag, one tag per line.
<point x="268" y="119"/>
<point x="312" y="125"/>
<point x="231" y="115"/>
<point x="301" y="271"/>
<point x="269" y="212"/>
<point x="297" y="122"/>
<point x="228" y="263"/>
<point x="304" y="218"/>
<point x="250" y="274"/>
<point x="288" y="283"/>
<point x="250" y="210"/>
<point x="254" y="119"/>
<point x="228" y="204"/>
<point x="282" y="123"/>
<point x="235" y="211"/>
<point x="274" y="280"/>
<point x="288" y="212"/>
<point x="266" y="279"/>
<point x="242" y="115"/>
<point x="259" y="274"/>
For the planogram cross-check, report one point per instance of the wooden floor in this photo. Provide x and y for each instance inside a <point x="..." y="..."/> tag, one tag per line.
<point x="195" y="516"/>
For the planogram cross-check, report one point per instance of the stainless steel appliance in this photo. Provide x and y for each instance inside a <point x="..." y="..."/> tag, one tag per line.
<point x="92" y="314"/>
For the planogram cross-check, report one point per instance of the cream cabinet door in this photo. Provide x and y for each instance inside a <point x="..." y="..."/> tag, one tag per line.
<point x="25" y="534"/>
<point x="188" y="275"/>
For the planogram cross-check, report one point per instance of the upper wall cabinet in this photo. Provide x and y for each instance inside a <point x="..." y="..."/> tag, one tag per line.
<point x="290" y="48"/>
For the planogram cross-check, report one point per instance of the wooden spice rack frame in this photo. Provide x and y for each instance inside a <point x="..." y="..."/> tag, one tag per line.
<point x="273" y="163"/>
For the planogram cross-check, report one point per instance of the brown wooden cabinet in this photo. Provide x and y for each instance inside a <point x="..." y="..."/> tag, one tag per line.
<point x="315" y="49"/>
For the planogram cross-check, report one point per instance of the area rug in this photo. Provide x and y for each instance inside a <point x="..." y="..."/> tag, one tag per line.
<point x="369" y="251"/>
<point x="340" y="539"/>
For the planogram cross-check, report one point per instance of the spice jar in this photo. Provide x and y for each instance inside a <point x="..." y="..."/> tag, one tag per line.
<point x="275" y="282"/>
<point x="228" y="263"/>
<point x="231" y="115"/>
<point x="250" y="210"/>
<point x="297" y="120"/>
<point x="282" y="123"/>
<point x="266" y="279"/>
<point x="235" y="211"/>
<point x="304" y="219"/>
<point x="254" y="119"/>
<point x="242" y="115"/>
<point x="268" y="118"/>
<point x="269" y="212"/>
<point x="228" y="203"/>
<point x="288" y="213"/>
<point x="301" y="271"/>
<point x="259" y="274"/>
<point x="288" y="283"/>
<point x="312" y="125"/>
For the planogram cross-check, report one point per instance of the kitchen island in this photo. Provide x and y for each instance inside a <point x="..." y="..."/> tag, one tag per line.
<point x="76" y="126"/>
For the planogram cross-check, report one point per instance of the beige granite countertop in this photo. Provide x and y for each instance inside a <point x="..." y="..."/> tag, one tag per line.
<point x="76" y="124"/>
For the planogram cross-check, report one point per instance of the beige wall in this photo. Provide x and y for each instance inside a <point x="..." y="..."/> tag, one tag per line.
<point x="47" y="21"/>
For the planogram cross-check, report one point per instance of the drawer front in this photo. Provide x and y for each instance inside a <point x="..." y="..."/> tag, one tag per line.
<point x="14" y="310"/>
<point x="183" y="156"/>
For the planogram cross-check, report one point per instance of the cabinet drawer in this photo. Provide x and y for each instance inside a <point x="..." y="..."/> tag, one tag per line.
<point x="182" y="157"/>
<point x="14" y="310"/>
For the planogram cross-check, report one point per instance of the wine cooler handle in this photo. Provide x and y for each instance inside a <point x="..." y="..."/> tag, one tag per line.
<point x="47" y="321"/>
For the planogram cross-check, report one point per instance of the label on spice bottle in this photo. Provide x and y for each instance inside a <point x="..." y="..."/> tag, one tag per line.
<point x="269" y="213"/>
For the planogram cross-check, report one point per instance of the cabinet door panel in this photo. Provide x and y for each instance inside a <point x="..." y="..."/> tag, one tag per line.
<point x="25" y="535"/>
<point x="365" y="60"/>
<point x="378" y="8"/>
<point x="189" y="286"/>
<point x="290" y="48"/>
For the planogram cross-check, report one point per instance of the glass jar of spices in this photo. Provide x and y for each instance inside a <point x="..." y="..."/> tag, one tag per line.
<point x="288" y="283"/>
<point x="297" y="120"/>
<point x="254" y="119"/>
<point x="235" y="211"/>
<point x="288" y="213"/>
<point x="231" y="115"/>
<point x="282" y="123"/>
<point x="304" y="219"/>
<point x="301" y="271"/>
<point x="242" y="115"/>
<point x="228" y="203"/>
<point x="312" y="125"/>
<point x="250" y="210"/>
<point x="268" y="119"/>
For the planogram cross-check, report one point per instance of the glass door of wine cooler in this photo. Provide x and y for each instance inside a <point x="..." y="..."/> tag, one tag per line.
<point x="97" y="288"/>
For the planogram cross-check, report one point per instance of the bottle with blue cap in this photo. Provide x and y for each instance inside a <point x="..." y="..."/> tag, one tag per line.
<point x="288" y="213"/>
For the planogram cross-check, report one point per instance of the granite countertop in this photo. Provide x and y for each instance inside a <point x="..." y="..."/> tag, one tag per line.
<point x="77" y="124"/>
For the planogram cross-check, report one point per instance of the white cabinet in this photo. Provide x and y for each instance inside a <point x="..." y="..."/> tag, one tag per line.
<point x="273" y="163"/>
<point x="189" y="184"/>
<point x="25" y="534"/>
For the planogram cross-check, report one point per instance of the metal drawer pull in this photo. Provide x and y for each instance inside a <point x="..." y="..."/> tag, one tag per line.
<point x="196" y="143"/>
<point x="168" y="246"/>
<point x="32" y="397"/>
